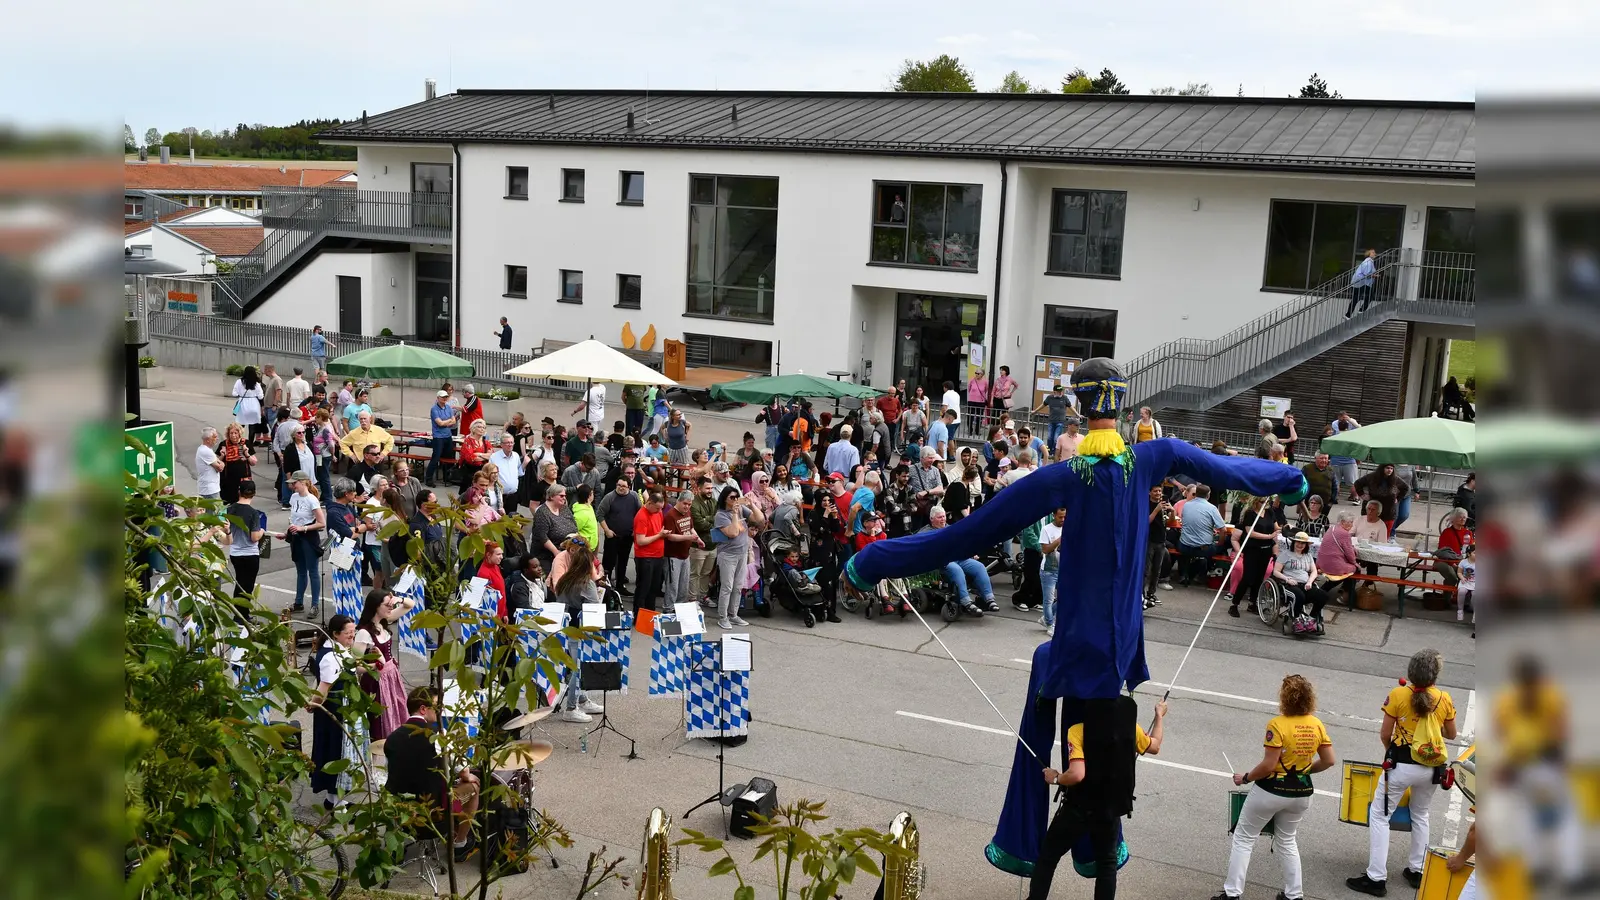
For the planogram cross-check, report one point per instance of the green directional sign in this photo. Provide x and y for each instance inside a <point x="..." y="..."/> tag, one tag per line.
<point x="158" y="459"/>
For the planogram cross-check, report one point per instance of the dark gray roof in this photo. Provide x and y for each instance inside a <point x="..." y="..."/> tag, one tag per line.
<point x="1355" y="136"/>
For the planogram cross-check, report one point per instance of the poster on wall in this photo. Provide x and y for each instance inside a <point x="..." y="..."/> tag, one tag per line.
<point x="1273" y="407"/>
<point x="1048" y="371"/>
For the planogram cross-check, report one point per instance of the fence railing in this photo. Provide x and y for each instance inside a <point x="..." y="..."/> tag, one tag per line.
<point x="1448" y="276"/>
<point x="270" y="341"/>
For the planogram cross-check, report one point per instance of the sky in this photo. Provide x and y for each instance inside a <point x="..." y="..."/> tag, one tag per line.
<point x="206" y="64"/>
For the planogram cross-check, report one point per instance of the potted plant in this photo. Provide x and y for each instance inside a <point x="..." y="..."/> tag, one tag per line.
<point x="497" y="404"/>
<point x="229" y="376"/>
<point x="150" y="374"/>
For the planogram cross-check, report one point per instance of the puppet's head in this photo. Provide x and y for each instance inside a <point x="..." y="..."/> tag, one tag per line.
<point x="1101" y="388"/>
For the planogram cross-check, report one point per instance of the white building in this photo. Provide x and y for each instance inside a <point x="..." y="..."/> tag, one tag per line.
<point x="195" y="238"/>
<point x="888" y="235"/>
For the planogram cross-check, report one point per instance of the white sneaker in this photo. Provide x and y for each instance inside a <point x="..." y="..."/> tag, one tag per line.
<point x="576" y="715"/>
<point x="724" y="624"/>
<point x="589" y="706"/>
<point x="738" y="622"/>
<point x="1050" y="632"/>
<point x="1165" y="585"/>
<point x="1227" y="597"/>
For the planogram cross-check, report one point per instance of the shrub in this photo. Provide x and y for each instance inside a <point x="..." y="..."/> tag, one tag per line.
<point x="386" y="332"/>
<point x="235" y="370"/>
<point x="499" y="393"/>
<point x="147" y="362"/>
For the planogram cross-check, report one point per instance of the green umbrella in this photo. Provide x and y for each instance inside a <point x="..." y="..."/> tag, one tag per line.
<point x="1538" y="438"/>
<point x="763" y="388"/>
<point x="401" y="360"/>
<point x="1418" y="442"/>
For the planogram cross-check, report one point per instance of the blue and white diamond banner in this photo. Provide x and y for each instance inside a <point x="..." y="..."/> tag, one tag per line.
<point x="716" y="704"/>
<point x="669" y="660"/>
<point x="531" y="637"/>
<point x="347" y="589"/>
<point x="412" y="639"/>
<point x="610" y="646"/>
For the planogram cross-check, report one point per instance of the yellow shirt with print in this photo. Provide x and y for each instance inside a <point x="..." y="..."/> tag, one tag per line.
<point x="1300" y="737"/>
<point x="1529" y="730"/>
<point x="356" y="442"/>
<point x="1075" y="741"/>
<point x="1399" y="706"/>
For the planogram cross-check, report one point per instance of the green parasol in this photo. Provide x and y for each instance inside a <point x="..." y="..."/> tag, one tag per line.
<point x="401" y="360"/>
<point x="1432" y="441"/>
<point x="1539" y="439"/>
<point x="763" y="388"/>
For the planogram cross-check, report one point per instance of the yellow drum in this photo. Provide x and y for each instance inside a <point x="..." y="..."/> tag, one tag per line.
<point x="1586" y="790"/>
<point x="1363" y="780"/>
<point x="1438" y="882"/>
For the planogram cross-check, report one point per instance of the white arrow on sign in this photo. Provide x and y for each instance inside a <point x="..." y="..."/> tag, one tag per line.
<point x="161" y="438"/>
<point x="162" y="473"/>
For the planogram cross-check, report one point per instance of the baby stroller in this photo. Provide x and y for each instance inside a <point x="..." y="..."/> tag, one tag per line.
<point x="808" y="606"/>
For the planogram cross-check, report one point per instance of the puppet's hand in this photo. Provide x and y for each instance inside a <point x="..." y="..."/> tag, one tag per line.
<point x="1299" y="494"/>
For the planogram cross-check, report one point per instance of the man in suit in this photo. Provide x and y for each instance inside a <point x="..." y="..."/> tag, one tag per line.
<point x="415" y="770"/>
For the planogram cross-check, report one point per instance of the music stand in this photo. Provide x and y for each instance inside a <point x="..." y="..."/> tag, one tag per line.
<point x="607" y="676"/>
<point x="709" y="658"/>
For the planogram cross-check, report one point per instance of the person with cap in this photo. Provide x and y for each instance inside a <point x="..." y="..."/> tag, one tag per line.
<point x="842" y="455"/>
<point x="581" y="443"/>
<point x="1296" y="572"/>
<point x="471" y="408"/>
<point x="442" y="419"/>
<point x="1059" y="403"/>
<point x="1098" y="648"/>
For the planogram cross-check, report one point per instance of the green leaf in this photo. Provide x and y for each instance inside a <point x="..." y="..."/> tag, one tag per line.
<point x="722" y="867"/>
<point x="428" y="619"/>
<point x="241" y="758"/>
<point x="867" y="864"/>
<point x="336" y="767"/>
<point x="745" y="892"/>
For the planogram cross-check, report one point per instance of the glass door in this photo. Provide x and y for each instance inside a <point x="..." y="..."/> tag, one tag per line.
<point x="431" y="185"/>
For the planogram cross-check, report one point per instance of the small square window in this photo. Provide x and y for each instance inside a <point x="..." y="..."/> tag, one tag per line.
<point x="632" y="188"/>
<point x="571" y="286"/>
<point x="628" y="291"/>
<point x="516" y="281"/>
<point x="516" y="182"/>
<point x="572" y="185"/>
<point x="702" y="189"/>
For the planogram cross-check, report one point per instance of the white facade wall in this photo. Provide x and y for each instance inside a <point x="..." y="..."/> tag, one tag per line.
<point x="387" y="167"/>
<point x="170" y="248"/>
<point x="311" y="297"/>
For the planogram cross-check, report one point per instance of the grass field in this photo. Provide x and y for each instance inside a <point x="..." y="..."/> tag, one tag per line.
<point x="342" y="164"/>
<point x="1463" y="360"/>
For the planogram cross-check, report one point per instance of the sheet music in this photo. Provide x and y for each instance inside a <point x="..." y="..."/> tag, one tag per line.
<point x="472" y="592"/>
<point x="736" y="653"/>
<point x="342" y="556"/>
<point x="406" y="581"/>
<point x="594" y="615"/>
<point x="691" y="618"/>
<point x="556" y="612"/>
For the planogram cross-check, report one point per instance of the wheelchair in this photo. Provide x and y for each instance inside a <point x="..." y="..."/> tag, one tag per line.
<point x="1275" y="606"/>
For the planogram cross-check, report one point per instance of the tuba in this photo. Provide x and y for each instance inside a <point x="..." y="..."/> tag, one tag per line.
<point x="657" y="858"/>
<point x="903" y="876"/>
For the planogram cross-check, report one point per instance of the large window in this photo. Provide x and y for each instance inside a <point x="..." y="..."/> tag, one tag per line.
<point x="628" y="291"/>
<point x="727" y="353"/>
<point x="926" y="224"/>
<point x="1449" y="256"/>
<point x="1309" y="243"/>
<point x="1575" y="243"/>
<point x="1086" y="233"/>
<point x="733" y="246"/>
<point x="1079" y="333"/>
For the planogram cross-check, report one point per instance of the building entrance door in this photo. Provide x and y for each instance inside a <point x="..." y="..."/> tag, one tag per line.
<point x="349" y="304"/>
<point x="433" y="297"/>
<point x="932" y="338"/>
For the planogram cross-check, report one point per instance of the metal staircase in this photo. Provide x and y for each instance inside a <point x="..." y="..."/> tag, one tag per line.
<point x="298" y="219"/>
<point x="1198" y="374"/>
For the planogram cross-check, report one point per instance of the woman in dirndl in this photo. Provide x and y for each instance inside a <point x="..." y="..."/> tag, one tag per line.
<point x="333" y="738"/>
<point x="382" y="681"/>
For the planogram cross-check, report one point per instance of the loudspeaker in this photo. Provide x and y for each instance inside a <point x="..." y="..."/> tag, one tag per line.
<point x="601" y="676"/>
<point x="765" y="804"/>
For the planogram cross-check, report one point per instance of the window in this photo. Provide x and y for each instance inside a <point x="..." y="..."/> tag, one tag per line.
<point x="430" y="178"/>
<point x="571" y="286"/>
<point x="1309" y="244"/>
<point x="926" y="224"/>
<point x="516" y="182"/>
<point x="1079" y="333"/>
<point x="727" y="353"/>
<point x="1504" y="261"/>
<point x="132" y="207"/>
<point x="632" y="192"/>
<point x="733" y="246"/>
<point x="1449" y="258"/>
<point x="628" y="291"/>
<point x="572" y="185"/>
<point x="1086" y="233"/>
<point x="516" y="281"/>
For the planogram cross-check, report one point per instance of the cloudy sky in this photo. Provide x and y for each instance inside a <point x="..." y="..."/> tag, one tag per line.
<point x="208" y="64"/>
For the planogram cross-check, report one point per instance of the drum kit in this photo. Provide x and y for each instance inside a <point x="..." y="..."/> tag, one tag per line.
<point x="513" y="764"/>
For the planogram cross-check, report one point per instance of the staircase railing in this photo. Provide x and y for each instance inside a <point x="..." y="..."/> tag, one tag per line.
<point x="1196" y="372"/>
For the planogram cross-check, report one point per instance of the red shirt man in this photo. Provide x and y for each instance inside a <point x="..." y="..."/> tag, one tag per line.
<point x="679" y="523"/>
<point x="648" y="524"/>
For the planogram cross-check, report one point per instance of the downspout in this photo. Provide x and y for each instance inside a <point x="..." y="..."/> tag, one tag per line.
<point x="999" y="255"/>
<point x="455" y="286"/>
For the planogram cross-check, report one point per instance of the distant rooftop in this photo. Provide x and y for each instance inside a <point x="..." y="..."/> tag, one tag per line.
<point x="1387" y="137"/>
<point x="186" y="176"/>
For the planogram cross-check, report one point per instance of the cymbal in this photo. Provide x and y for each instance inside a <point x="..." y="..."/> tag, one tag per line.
<point x="524" y="755"/>
<point x="527" y="718"/>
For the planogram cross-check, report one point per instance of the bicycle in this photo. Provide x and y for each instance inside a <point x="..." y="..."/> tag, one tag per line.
<point x="324" y="859"/>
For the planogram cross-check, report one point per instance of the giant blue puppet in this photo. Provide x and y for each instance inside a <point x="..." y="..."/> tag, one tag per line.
<point x="1098" y="647"/>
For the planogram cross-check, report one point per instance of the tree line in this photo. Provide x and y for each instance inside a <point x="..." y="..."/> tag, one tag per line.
<point x="245" y="141"/>
<point x="946" y="73"/>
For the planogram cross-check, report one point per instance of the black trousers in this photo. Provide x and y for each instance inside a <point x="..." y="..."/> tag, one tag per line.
<point x="652" y="572"/>
<point x="1256" y="556"/>
<point x="1317" y="597"/>
<point x="245" y="569"/>
<point x="1031" y="591"/>
<point x="614" y="561"/>
<point x="1362" y="295"/>
<point x="1067" y="828"/>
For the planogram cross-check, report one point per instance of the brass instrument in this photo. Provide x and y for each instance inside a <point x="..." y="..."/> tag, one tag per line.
<point x="657" y="857"/>
<point x="904" y="876"/>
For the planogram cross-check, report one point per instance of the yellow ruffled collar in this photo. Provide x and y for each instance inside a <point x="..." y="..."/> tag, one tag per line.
<point x="1102" y="442"/>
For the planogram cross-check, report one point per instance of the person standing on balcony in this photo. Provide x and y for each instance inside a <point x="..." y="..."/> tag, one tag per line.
<point x="504" y="334"/>
<point x="319" y="348"/>
<point x="1361" y="283"/>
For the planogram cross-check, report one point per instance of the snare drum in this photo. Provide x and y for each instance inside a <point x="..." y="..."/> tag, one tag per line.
<point x="1438" y="882"/>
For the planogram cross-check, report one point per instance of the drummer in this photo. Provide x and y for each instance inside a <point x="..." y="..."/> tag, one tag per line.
<point x="1417" y="718"/>
<point x="1297" y="746"/>
<point x="416" y="770"/>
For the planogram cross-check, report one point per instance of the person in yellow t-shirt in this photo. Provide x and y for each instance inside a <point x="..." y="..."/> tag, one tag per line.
<point x="1531" y="739"/>
<point x="1415" y="715"/>
<point x="1297" y="746"/>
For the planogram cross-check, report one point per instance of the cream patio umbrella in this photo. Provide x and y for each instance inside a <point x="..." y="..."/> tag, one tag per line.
<point x="590" y="361"/>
